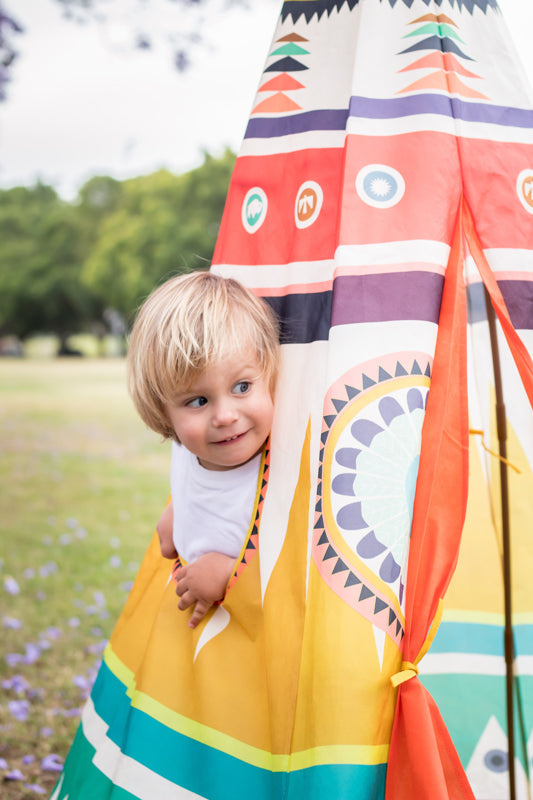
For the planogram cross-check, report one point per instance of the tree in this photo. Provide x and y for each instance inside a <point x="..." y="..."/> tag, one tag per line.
<point x="41" y="255"/>
<point x="165" y="224"/>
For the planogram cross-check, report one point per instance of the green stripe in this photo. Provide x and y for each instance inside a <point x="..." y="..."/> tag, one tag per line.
<point x="81" y="780"/>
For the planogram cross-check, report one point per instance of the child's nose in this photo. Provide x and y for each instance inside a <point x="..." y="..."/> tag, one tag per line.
<point x="225" y="413"/>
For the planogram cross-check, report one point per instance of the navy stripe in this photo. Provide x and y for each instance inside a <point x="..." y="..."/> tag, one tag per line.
<point x="304" y="318"/>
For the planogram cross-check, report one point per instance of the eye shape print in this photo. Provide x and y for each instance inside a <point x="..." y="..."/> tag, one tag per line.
<point x="497" y="760"/>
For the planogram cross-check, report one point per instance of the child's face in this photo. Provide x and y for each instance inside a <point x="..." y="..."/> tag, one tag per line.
<point x="225" y="415"/>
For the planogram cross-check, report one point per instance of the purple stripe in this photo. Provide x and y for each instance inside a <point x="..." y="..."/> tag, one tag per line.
<point x="386" y="297"/>
<point x="370" y="108"/>
<point x="334" y="119"/>
<point x="321" y="120"/>
<point x="518" y="296"/>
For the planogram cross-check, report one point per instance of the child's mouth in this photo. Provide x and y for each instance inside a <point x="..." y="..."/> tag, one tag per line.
<point x="231" y="439"/>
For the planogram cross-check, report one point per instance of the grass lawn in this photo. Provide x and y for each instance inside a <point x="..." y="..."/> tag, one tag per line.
<point x="83" y="485"/>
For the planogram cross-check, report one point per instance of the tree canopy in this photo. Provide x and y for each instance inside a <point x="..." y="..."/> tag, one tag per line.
<point x="62" y="264"/>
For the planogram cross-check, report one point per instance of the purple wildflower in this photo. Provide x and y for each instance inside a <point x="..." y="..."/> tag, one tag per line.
<point x="115" y="561"/>
<point x="65" y="539"/>
<point x="99" y="599"/>
<point x="18" y="683"/>
<point x="126" y="586"/>
<point x="11" y="622"/>
<point x="29" y="573"/>
<point x="3" y="763"/>
<point x="50" y="568"/>
<point x="19" y="709"/>
<point x="46" y="731"/>
<point x="53" y="632"/>
<point x="72" y="712"/>
<point x="32" y="653"/>
<point x="74" y="622"/>
<point x="11" y="586"/>
<point x="52" y="762"/>
<point x="14" y="775"/>
<point x="13" y="659"/>
<point x="34" y="787"/>
<point x="97" y="647"/>
<point x="81" y="682"/>
<point x="29" y="759"/>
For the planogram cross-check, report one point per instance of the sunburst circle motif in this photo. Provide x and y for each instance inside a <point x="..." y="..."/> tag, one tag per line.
<point x="372" y="431"/>
<point x="380" y="185"/>
<point x="373" y="479"/>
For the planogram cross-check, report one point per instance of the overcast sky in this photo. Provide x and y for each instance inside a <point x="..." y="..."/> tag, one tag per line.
<point x="82" y="102"/>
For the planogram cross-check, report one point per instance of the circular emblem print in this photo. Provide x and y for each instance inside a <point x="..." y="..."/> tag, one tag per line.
<point x="379" y="186"/>
<point x="524" y="188"/>
<point x="368" y="469"/>
<point x="254" y="209"/>
<point x="308" y="204"/>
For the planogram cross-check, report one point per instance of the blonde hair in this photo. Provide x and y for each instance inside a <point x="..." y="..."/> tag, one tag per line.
<point x="187" y="324"/>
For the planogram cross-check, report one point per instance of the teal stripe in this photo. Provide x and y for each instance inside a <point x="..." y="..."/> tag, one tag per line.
<point x="468" y="637"/>
<point x="199" y="768"/>
<point x="473" y="637"/>
<point x="523" y="636"/>
<point x="338" y="781"/>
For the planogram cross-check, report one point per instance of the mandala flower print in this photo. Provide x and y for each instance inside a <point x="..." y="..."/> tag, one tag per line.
<point x="374" y="471"/>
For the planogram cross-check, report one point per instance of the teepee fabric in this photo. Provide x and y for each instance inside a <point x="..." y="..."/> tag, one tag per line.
<point x="385" y="179"/>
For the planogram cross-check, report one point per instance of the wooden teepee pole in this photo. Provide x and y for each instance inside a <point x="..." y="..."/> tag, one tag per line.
<point x="501" y="424"/>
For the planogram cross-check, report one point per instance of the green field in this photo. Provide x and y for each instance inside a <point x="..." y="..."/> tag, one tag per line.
<point x="83" y="483"/>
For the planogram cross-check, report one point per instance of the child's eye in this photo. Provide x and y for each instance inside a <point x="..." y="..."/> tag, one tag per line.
<point x="197" y="402"/>
<point x="242" y="387"/>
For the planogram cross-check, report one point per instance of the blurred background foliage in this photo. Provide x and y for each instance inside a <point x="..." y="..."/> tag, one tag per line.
<point x="77" y="267"/>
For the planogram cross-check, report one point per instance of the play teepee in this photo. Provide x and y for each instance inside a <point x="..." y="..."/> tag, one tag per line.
<point x="382" y="202"/>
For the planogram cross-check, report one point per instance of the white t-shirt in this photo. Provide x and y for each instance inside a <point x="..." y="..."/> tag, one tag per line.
<point x="212" y="509"/>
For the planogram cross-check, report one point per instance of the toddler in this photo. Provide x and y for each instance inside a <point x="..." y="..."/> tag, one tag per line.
<point x="202" y="368"/>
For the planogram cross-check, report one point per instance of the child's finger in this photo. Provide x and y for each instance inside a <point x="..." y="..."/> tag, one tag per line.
<point x="187" y="599"/>
<point x="200" y="610"/>
<point x="181" y="584"/>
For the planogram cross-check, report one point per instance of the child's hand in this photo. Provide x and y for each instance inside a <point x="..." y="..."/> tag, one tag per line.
<point x="202" y="583"/>
<point x="164" y="531"/>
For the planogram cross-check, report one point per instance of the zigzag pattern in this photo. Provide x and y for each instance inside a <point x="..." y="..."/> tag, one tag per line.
<point x="307" y="8"/>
